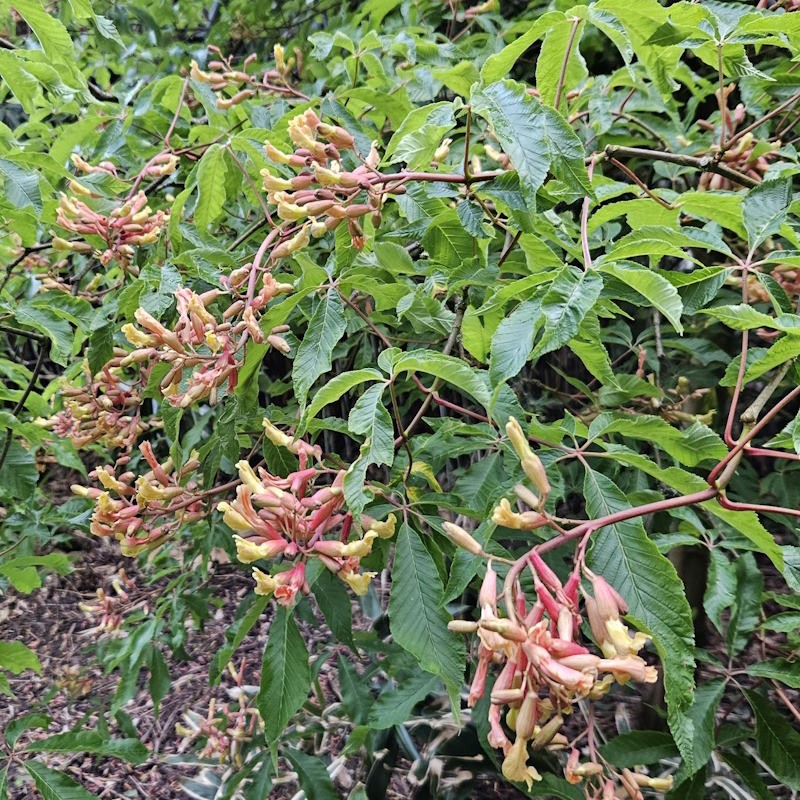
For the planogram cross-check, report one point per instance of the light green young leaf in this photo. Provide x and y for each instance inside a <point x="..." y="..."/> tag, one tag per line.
<point x="16" y="657"/>
<point x="785" y="349"/>
<point x="550" y="63"/>
<point x="659" y="291"/>
<point x="21" y="186"/>
<point x="338" y="386"/>
<point x="740" y="317"/>
<point x="448" y="368"/>
<point x="420" y="133"/>
<point x="211" y="186"/>
<point x="416" y="617"/>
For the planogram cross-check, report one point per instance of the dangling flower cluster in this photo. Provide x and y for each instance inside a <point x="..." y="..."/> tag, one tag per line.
<point x="545" y="669"/>
<point x="289" y="517"/>
<point x="106" y="409"/>
<point x="224" y="78"/>
<point x="226" y="726"/>
<point x="145" y="509"/>
<point x="324" y="193"/>
<point x="107" y="612"/>
<point x="129" y="225"/>
<point x="200" y="344"/>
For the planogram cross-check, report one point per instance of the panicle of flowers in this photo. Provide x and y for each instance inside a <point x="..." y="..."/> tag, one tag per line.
<point x="544" y="667"/>
<point x="128" y="225"/>
<point x="323" y="193"/>
<point x="232" y="85"/>
<point x="199" y="344"/>
<point x="106" y="409"/>
<point x="290" y="518"/>
<point x="107" y="611"/>
<point x="141" y="511"/>
<point x="226" y="726"/>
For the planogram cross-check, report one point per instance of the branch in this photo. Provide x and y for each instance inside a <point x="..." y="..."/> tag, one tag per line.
<point x="703" y="163"/>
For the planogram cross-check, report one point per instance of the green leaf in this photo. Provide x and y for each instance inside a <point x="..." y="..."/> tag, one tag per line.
<point x="130" y="750"/>
<point x="764" y="209"/>
<point x="446" y="240"/>
<point x="778" y="742"/>
<point x="160" y="681"/>
<point x="568" y="300"/>
<point x="416" y="617"/>
<point x="420" y="133"/>
<point x="749" y="773"/>
<point x="657" y="290"/>
<point x="450" y="369"/>
<point x="55" y="785"/>
<point x="52" y="35"/>
<point x="242" y="625"/>
<point x="740" y="317"/>
<point x="550" y="64"/>
<point x="512" y="342"/>
<point x="778" y="669"/>
<point x="721" y="587"/>
<point x="785" y="349"/>
<point x="497" y="66"/>
<point x="314" y="779"/>
<point x="285" y="675"/>
<point x="210" y="186"/>
<point x="394" y="707"/>
<point x="326" y="326"/>
<point x="629" y="750"/>
<point x="338" y="386"/>
<point x="625" y="556"/>
<point x="16" y="657"/>
<point x="52" y="325"/>
<point x="335" y="604"/>
<point x="535" y="137"/>
<point x="699" y="723"/>
<point x="21" y="186"/>
<point x="355" y="692"/>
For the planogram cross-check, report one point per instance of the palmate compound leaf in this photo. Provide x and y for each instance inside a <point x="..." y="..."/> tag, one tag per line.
<point x="625" y="556"/>
<point x="416" y="617"/>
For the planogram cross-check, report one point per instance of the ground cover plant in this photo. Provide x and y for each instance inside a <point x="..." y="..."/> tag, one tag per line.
<point x="437" y="362"/>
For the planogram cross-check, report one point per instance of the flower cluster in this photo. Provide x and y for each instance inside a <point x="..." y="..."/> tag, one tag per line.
<point x="105" y="409"/>
<point x="323" y="193"/>
<point x="131" y="224"/>
<point x="200" y="344"/>
<point x="544" y="668"/>
<point x="107" y="611"/>
<point x="290" y="517"/>
<point x="232" y="86"/>
<point x="146" y="508"/>
<point x="226" y="727"/>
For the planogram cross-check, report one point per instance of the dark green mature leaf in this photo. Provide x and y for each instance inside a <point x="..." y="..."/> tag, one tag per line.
<point x="355" y="692"/>
<point x="18" y="474"/>
<point x="55" y="785"/>
<point x="699" y="723"/>
<point x="625" y="556"/>
<point x="629" y="750"/>
<point x="656" y="289"/>
<point x="416" y="617"/>
<point x="131" y="750"/>
<point x="312" y="776"/>
<point x="242" y="625"/>
<point x="512" y="342"/>
<point x="325" y="328"/>
<point x="285" y="674"/>
<point x="778" y="742"/>
<point x="393" y="707"/>
<point x="748" y="772"/>
<point x="447" y="241"/>
<point x="746" y="611"/>
<point x="335" y="603"/>
<point x="535" y="137"/>
<point x="779" y="669"/>
<point x="450" y="369"/>
<point x="764" y="209"/>
<point x="568" y="300"/>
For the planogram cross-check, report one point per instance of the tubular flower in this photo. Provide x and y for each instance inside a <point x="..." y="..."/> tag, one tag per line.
<point x="294" y="518"/>
<point x="545" y="668"/>
<point x="147" y="508"/>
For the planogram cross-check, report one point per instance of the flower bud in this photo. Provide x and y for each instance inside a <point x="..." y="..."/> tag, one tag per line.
<point x="461" y="538"/>
<point x="462" y="626"/>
